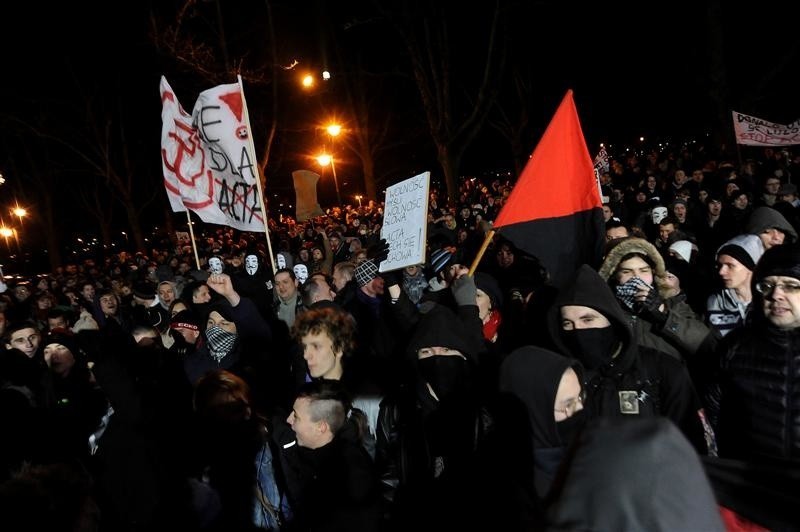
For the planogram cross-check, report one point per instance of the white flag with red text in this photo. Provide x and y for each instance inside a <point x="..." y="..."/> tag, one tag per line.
<point x="208" y="166"/>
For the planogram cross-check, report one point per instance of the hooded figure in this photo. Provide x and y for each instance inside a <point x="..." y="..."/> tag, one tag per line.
<point x="533" y="376"/>
<point x="632" y="476"/>
<point x="634" y="268"/>
<point x="434" y="427"/>
<point x="622" y="379"/>
<point x="771" y="227"/>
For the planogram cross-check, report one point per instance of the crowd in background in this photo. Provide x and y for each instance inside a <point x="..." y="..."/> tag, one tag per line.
<point x="658" y="389"/>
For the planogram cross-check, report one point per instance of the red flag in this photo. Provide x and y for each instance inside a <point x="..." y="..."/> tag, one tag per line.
<point x="554" y="211"/>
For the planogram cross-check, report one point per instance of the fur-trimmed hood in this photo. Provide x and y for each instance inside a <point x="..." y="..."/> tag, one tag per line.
<point x="625" y="246"/>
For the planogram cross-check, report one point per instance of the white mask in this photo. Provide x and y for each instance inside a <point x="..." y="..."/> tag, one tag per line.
<point x="658" y="214"/>
<point x="301" y="272"/>
<point x="281" y="261"/>
<point x="251" y="264"/>
<point x="215" y="265"/>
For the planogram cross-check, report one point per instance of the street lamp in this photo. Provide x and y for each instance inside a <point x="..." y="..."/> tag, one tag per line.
<point x="358" y="198"/>
<point x="324" y="160"/>
<point x="6" y="232"/>
<point x="20" y="213"/>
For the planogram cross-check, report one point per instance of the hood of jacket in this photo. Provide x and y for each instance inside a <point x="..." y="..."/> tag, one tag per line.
<point x="764" y="218"/>
<point x="588" y="289"/>
<point x="632" y="474"/>
<point x="532" y="375"/>
<point x="640" y="246"/>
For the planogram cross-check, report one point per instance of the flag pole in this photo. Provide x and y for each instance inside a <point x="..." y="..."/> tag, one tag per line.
<point x="258" y="175"/>
<point x="194" y="245"/>
<point x="481" y="251"/>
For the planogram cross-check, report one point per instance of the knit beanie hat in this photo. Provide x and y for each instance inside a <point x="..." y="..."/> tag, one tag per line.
<point x="488" y="285"/>
<point x="683" y="248"/>
<point x="747" y="249"/>
<point x="781" y="260"/>
<point x="366" y="272"/>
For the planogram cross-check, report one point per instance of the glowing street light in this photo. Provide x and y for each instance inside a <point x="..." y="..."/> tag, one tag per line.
<point x="307" y="81"/>
<point x="334" y="130"/>
<point x="358" y="198"/>
<point x="324" y="160"/>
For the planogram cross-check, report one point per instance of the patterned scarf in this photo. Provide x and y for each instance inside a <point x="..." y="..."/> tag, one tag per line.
<point x="220" y="342"/>
<point x="627" y="291"/>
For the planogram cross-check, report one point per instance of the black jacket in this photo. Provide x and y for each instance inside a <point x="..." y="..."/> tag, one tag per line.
<point x="755" y="401"/>
<point x="658" y="383"/>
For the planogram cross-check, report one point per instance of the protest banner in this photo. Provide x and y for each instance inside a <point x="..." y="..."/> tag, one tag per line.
<point x="405" y="222"/>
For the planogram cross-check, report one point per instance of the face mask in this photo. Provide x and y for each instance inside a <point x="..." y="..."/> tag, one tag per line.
<point x="593" y="347"/>
<point x="215" y="265"/>
<point x="626" y="291"/>
<point x="570" y="428"/>
<point x="301" y="272"/>
<point x="447" y="374"/>
<point x="281" y="261"/>
<point x="220" y="341"/>
<point x="251" y="264"/>
<point x="658" y="214"/>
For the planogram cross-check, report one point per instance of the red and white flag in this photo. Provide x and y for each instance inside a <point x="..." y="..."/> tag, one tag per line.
<point x="208" y="166"/>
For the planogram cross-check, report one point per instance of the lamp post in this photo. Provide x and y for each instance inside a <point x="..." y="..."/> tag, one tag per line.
<point x="325" y="160"/>
<point x="5" y="232"/>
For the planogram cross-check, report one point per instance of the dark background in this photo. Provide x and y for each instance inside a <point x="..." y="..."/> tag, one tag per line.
<point x="636" y="70"/>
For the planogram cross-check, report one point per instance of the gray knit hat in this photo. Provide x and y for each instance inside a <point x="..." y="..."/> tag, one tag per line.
<point x="747" y="249"/>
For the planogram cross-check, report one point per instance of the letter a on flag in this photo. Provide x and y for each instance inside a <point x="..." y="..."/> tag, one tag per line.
<point x="554" y="211"/>
<point x="208" y="167"/>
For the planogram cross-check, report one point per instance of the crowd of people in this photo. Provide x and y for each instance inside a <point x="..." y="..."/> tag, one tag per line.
<point x="657" y="389"/>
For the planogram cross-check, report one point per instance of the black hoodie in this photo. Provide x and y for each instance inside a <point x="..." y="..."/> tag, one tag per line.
<point x="641" y="475"/>
<point x="638" y="381"/>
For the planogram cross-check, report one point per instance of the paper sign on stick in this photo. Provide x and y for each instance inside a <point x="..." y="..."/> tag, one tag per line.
<point x="405" y="222"/>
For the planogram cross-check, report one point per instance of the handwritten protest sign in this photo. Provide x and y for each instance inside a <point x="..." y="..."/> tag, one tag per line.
<point x="754" y="131"/>
<point x="405" y="222"/>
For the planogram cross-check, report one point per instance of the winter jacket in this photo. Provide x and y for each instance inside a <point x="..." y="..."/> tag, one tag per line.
<point x="725" y="312"/>
<point x="755" y="402"/>
<point x="638" y="381"/>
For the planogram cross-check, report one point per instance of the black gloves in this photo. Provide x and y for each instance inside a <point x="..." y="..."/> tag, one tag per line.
<point x="379" y="251"/>
<point x="649" y="308"/>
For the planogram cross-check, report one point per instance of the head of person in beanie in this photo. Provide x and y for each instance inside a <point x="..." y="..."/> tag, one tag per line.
<point x="490" y="301"/>
<point x="758" y="380"/>
<point x="736" y="260"/>
<point x="61" y="350"/>
<point x="185" y="328"/>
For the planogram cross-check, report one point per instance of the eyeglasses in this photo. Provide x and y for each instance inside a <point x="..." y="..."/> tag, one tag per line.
<point x="766" y="288"/>
<point x="571" y="406"/>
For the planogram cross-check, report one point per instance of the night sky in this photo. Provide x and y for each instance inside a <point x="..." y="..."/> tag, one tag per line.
<point x="634" y="72"/>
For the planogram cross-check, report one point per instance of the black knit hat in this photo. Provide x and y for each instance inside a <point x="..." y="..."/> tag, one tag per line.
<point x="61" y="336"/>
<point x="781" y="260"/>
<point x="144" y="290"/>
<point x="488" y="285"/>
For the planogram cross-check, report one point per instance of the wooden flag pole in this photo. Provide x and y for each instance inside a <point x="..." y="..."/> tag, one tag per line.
<point x="479" y="256"/>
<point x="194" y="245"/>
<point x="258" y="176"/>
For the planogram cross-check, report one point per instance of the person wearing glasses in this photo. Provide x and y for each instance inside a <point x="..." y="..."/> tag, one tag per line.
<point x="755" y="399"/>
<point x="622" y="378"/>
<point x="546" y="390"/>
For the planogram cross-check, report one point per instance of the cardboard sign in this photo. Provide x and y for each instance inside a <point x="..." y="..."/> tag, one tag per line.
<point x="405" y="222"/>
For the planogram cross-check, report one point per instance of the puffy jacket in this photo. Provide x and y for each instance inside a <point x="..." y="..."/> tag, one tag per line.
<point x="755" y="402"/>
